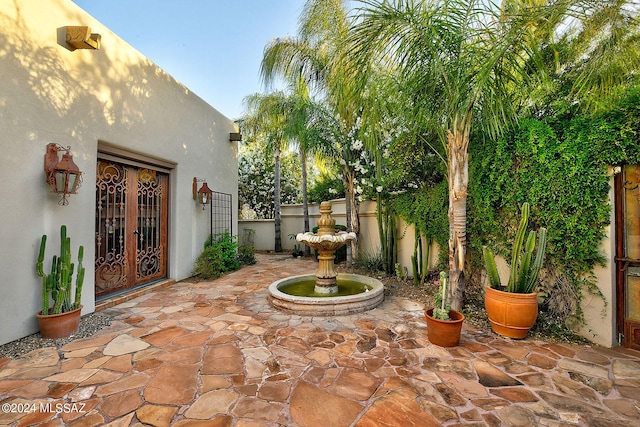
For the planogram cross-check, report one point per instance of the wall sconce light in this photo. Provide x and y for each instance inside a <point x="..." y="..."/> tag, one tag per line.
<point x="82" y="38"/>
<point x="63" y="176"/>
<point x="203" y="195"/>
<point x="235" y="137"/>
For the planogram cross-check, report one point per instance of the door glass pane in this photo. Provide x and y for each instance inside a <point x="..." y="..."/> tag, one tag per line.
<point x="111" y="261"/>
<point x="632" y="211"/>
<point x="633" y="293"/>
<point x="632" y="240"/>
<point x="149" y="247"/>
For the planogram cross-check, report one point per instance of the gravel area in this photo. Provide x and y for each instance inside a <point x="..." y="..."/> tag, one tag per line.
<point x="89" y="325"/>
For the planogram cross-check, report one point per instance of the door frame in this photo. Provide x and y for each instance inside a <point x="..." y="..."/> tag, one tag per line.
<point x="618" y="201"/>
<point x="624" y="328"/>
<point x="109" y="152"/>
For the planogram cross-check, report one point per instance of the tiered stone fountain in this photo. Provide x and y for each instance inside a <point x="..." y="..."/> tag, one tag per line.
<point x="327" y="292"/>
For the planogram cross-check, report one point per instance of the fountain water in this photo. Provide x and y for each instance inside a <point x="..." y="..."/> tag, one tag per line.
<point x="326" y="293"/>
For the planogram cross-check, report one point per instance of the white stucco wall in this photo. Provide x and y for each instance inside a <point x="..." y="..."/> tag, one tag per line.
<point x="600" y="314"/>
<point x="49" y="93"/>
<point x="368" y="238"/>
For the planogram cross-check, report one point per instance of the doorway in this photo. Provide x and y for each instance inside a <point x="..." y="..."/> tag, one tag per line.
<point x="131" y="225"/>
<point x="627" y="212"/>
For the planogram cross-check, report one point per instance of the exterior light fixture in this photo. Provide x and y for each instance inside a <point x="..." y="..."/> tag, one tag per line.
<point x="81" y="37"/>
<point x="203" y="195"/>
<point x="63" y="176"/>
<point x="235" y="137"/>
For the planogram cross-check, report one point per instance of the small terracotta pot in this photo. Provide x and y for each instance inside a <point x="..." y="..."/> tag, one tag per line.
<point x="60" y="325"/>
<point x="511" y="314"/>
<point x="445" y="333"/>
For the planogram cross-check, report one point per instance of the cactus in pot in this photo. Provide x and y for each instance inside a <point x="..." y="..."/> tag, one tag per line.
<point x="57" y="285"/>
<point x="525" y="269"/>
<point x="441" y="311"/>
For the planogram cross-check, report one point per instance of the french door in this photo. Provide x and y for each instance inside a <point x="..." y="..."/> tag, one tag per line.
<point x="627" y="201"/>
<point x="131" y="226"/>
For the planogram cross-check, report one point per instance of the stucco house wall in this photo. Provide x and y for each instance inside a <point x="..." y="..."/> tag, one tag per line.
<point x="80" y="98"/>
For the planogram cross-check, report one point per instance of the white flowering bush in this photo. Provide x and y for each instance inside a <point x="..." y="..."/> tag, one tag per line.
<point x="255" y="181"/>
<point x="327" y="186"/>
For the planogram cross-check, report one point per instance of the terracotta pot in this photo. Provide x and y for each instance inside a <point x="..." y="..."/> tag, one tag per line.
<point x="59" y="325"/>
<point x="445" y="333"/>
<point x="511" y="314"/>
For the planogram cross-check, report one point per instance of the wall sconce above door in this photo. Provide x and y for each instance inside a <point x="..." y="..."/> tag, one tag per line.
<point x="81" y="37"/>
<point x="203" y="195"/>
<point x="63" y="176"/>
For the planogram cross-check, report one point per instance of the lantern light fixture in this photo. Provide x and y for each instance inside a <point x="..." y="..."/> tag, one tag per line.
<point x="203" y="195"/>
<point x="62" y="175"/>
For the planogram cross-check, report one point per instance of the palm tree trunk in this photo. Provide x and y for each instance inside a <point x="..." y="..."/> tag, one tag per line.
<point x="305" y="198"/>
<point x="351" y="211"/>
<point x="458" y="158"/>
<point x="355" y="225"/>
<point x="348" y="189"/>
<point x="276" y="199"/>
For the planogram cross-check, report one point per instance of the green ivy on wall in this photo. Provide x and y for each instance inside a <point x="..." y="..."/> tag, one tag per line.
<point x="426" y="208"/>
<point x="560" y="166"/>
<point x="567" y="187"/>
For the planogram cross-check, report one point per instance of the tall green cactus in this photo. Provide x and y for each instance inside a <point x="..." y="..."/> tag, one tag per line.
<point x="45" y="278"/>
<point x="441" y="310"/>
<point x="525" y="269"/>
<point x="79" y="278"/>
<point x="57" y="285"/>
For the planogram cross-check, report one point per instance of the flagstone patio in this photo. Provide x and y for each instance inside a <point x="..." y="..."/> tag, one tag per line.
<point x="216" y="354"/>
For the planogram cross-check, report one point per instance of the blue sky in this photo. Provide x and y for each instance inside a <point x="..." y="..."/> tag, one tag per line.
<point x="213" y="47"/>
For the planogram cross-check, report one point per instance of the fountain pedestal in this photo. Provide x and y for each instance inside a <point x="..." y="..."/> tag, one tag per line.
<point x="326" y="275"/>
<point x="326" y="242"/>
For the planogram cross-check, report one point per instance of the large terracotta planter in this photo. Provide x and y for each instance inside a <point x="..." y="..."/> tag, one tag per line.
<point x="511" y="314"/>
<point x="445" y="333"/>
<point x="61" y="325"/>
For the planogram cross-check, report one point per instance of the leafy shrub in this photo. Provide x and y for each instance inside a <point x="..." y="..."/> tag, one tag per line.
<point x="370" y="261"/>
<point x="246" y="255"/>
<point x="256" y="176"/>
<point x="427" y="208"/>
<point x="219" y="255"/>
<point x="326" y="188"/>
<point x="210" y="263"/>
<point x="567" y="186"/>
<point x="228" y="247"/>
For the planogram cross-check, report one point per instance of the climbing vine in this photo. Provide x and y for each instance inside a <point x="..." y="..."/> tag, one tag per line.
<point x="567" y="188"/>
<point x="560" y="166"/>
<point x="426" y="208"/>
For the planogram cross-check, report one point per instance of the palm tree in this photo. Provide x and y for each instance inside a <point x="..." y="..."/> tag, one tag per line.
<point x="594" y="63"/>
<point x="297" y="129"/>
<point x="266" y="118"/>
<point x="470" y="62"/>
<point x="314" y="56"/>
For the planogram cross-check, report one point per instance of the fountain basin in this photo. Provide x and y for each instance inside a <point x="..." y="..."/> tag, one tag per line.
<point x="327" y="305"/>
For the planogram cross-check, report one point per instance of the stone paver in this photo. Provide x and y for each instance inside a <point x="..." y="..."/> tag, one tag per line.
<point x="216" y="354"/>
